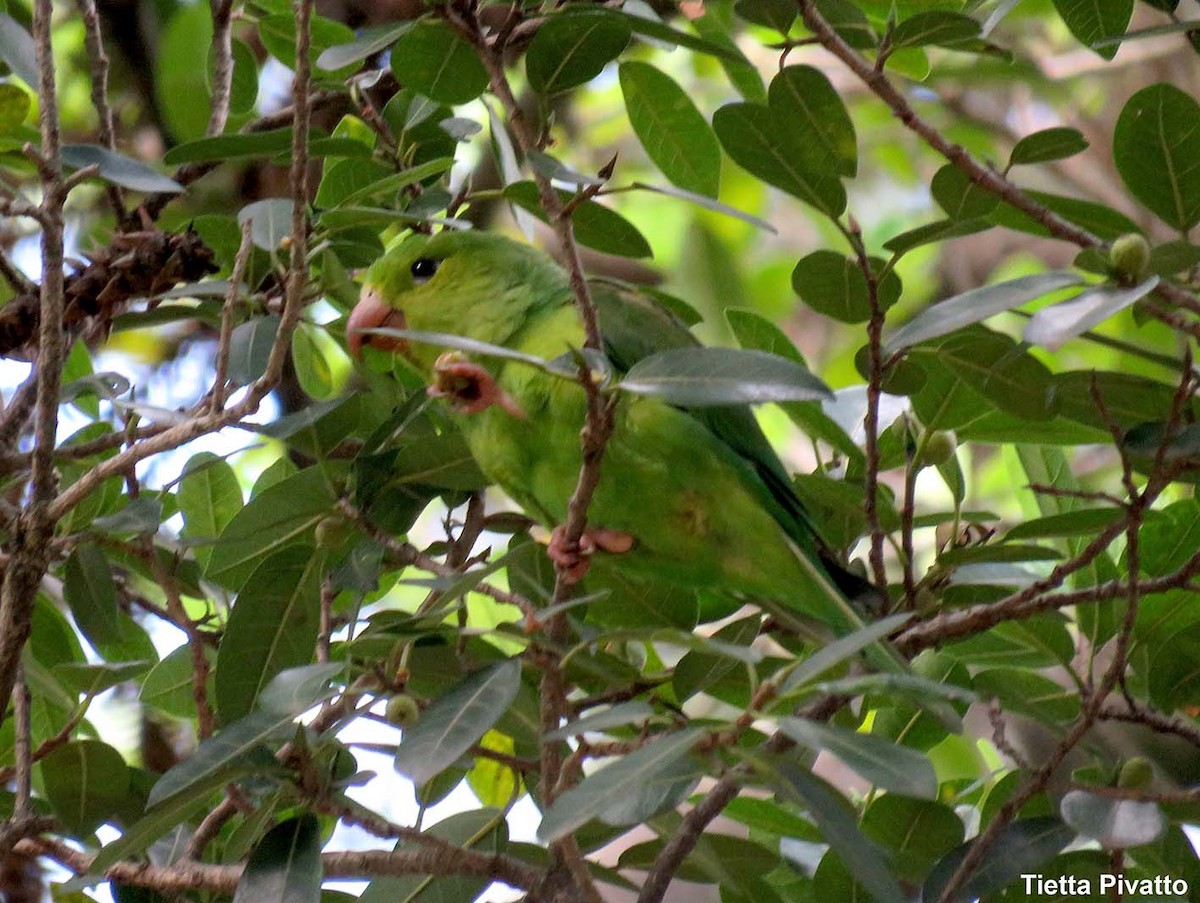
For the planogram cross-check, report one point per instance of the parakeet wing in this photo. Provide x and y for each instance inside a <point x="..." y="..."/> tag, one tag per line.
<point x="635" y="326"/>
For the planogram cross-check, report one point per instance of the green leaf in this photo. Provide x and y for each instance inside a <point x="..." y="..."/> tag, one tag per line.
<point x="17" y="50"/>
<point x="160" y="819"/>
<point x="1098" y="219"/>
<point x="243" y="88"/>
<point x="718" y="28"/>
<point x="804" y="97"/>
<point x="1115" y="824"/>
<point x="296" y="690"/>
<point x="671" y="130"/>
<point x="431" y="59"/>
<point x="838" y="824"/>
<point x="456" y="720"/>
<point x="238" y="746"/>
<point x="1156" y="143"/>
<point x="92" y="679"/>
<point x="86" y="782"/>
<point x="270" y="222"/>
<point x="209" y="497"/>
<point x="555" y="169"/>
<point x="883" y="763"/>
<point x="273" y="626"/>
<point x="312" y="369"/>
<point x="596" y="226"/>
<point x="975" y="305"/>
<point x="931" y="233"/>
<point x="1174" y="257"/>
<point x="999" y="369"/>
<point x="760" y="142"/>
<point x="1029" y="693"/>
<point x="708" y="204"/>
<point x="1052" y="326"/>
<point x="1020" y="848"/>
<point x="850" y="22"/>
<point x="1091" y="21"/>
<point x="230" y="147"/>
<point x="569" y="50"/>
<point x="654" y="30"/>
<point x="1084" y="522"/>
<point x="250" y="348"/>
<point x="369" y="42"/>
<point x="91" y="595"/>
<point x="702" y="377"/>
<point x="169" y="688"/>
<point x="916" y="832"/>
<point x="117" y="168"/>
<point x="285" y="866"/>
<point x="1048" y="144"/>
<point x="397" y="182"/>
<point x="482" y="829"/>
<point x="776" y="14"/>
<point x="934" y="27"/>
<point x="835" y="286"/>
<point x="14" y="107"/>
<point x="275" y="518"/>
<point x="961" y="198"/>
<point x="140" y="515"/>
<point x="619" y="715"/>
<point x="629" y="790"/>
<point x="841" y="650"/>
<point x="277" y="32"/>
<point x="349" y="180"/>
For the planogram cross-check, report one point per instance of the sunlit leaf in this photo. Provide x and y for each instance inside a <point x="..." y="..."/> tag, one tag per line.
<point x="975" y="305"/>
<point x="1054" y="325"/>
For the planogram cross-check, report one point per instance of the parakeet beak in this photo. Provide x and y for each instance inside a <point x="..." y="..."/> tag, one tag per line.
<point x="372" y="312"/>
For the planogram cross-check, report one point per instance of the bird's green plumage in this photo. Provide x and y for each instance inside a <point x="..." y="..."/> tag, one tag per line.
<point x="701" y="491"/>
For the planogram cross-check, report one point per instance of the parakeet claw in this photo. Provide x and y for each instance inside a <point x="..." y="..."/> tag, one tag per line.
<point x="470" y="387"/>
<point x="575" y="560"/>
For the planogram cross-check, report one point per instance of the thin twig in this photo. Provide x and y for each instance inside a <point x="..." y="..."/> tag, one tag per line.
<point x="240" y="262"/>
<point x="99" y="62"/>
<point x="875" y="367"/>
<point x="22" y="747"/>
<point x="222" y="77"/>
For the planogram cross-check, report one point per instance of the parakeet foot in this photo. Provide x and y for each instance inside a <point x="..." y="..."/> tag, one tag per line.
<point x="470" y="387"/>
<point x="576" y="560"/>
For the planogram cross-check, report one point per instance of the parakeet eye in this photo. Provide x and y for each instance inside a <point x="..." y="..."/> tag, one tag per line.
<point x="424" y="269"/>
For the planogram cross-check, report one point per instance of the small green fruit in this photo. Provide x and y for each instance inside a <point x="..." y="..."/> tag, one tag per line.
<point x="1136" y="774"/>
<point x="939" y="446"/>
<point x="331" y="531"/>
<point x="402" y="711"/>
<point x="1129" y="257"/>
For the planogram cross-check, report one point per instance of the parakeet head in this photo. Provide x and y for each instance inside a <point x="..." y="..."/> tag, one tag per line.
<point x="472" y="284"/>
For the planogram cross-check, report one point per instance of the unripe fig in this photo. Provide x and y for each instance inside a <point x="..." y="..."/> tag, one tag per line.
<point x="402" y="711"/>
<point x="938" y="447"/>
<point x="1129" y="257"/>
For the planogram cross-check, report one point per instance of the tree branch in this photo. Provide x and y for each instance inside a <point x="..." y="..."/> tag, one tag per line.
<point x="35" y="525"/>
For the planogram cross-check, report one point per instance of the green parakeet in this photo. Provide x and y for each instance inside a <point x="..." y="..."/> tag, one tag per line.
<point x="694" y="497"/>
